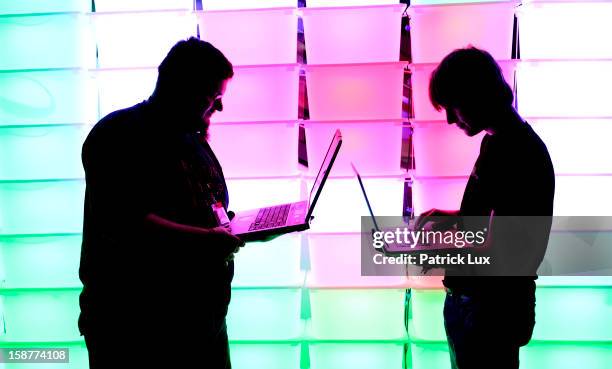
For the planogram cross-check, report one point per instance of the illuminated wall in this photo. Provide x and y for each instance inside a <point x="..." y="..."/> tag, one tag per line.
<point x="567" y="102"/>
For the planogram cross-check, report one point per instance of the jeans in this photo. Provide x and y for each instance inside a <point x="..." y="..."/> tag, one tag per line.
<point x="487" y="330"/>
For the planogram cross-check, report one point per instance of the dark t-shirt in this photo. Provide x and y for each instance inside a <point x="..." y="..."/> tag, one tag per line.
<point x="513" y="176"/>
<point x="138" y="161"/>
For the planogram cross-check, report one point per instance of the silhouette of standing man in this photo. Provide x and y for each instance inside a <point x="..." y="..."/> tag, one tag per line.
<point x="155" y="265"/>
<point x="489" y="317"/>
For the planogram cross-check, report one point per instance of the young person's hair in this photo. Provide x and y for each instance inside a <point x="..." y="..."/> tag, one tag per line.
<point x="469" y="77"/>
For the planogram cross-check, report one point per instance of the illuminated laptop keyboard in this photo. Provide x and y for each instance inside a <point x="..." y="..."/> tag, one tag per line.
<point x="274" y="216"/>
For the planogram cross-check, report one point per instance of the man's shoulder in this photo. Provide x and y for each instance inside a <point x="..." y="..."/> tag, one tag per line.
<point x="123" y="120"/>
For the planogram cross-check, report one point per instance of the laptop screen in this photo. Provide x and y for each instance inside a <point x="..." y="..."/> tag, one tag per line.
<point x="326" y="166"/>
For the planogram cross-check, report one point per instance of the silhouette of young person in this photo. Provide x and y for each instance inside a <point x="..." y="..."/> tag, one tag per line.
<point x="155" y="265"/>
<point x="489" y="316"/>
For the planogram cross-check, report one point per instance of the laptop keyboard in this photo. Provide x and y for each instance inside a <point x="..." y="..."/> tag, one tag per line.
<point x="274" y="216"/>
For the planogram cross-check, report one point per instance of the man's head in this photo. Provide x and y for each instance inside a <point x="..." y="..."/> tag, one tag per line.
<point x="470" y="86"/>
<point x="192" y="79"/>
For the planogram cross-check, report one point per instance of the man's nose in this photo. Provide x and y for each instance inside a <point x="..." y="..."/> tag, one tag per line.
<point x="218" y="105"/>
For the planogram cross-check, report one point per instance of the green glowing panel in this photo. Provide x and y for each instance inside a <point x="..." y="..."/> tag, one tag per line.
<point x="427" y="321"/>
<point x="269" y="264"/>
<point x="47" y="97"/>
<point x="265" y="356"/>
<point x="44" y="41"/>
<point x="36" y="262"/>
<point x="41" y="152"/>
<point x="41" y="207"/>
<point x="566" y="356"/>
<point x="40" y="315"/>
<point x="356" y="355"/>
<point x="264" y="314"/>
<point x="357" y="314"/>
<point x="43" y="6"/>
<point x="429" y="356"/>
<point x="77" y="354"/>
<point x="579" y="313"/>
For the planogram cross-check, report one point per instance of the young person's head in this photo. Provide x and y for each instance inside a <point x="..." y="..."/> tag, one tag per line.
<point x="470" y="86"/>
<point x="192" y="79"/>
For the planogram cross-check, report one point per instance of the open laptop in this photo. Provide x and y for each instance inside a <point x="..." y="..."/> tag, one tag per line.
<point x="256" y="224"/>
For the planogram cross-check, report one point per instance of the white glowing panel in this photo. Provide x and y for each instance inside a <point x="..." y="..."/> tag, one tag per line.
<point x="261" y="93"/>
<point x="357" y="314"/>
<point x="441" y="149"/>
<point x="264" y="314"/>
<point x="246" y="4"/>
<point x="255" y="193"/>
<point x="45" y="41"/>
<point x="356" y="355"/>
<point x="421" y="74"/>
<point x="437" y="30"/>
<point x="335" y="261"/>
<point x="417" y="280"/>
<point x="577" y="146"/>
<point x="338" y="3"/>
<point x="41" y="207"/>
<point x="564" y="88"/>
<point x="43" y="6"/>
<point x="338" y="35"/>
<point x="134" y="5"/>
<point x="122" y="88"/>
<point x="583" y="195"/>
<point x="357" y="91"/>
<point x="341" y="204"/>
<point x="568" y="30"/>
<point x="256" y="149"/>
<point x="448" y="2"/>
<point x="55" y="261"/>
<point x="140" y="39"/>
<point x="43" y="152"/>
<point x="438" y="193"/>
<point x="269" y="355"/>
<point x="373" y="146"/>
<point x="280" y="258"/>
<point x="247" y="37"/>
<point x="46" y="97"/>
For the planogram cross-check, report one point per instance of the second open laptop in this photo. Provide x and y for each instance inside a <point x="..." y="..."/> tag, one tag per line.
<point x="260" y="223"/>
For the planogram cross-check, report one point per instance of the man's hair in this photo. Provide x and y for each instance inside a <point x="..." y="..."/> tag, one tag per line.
<point x="192" y="66"/>
<point x="469" y="77"/>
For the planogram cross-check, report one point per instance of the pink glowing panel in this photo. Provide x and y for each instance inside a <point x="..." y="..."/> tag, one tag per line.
<point x="139" y="39"/>
<point x="261" y="93"/>
<point x="443" y="150"/>
<point x="439" y="193"/>
<point x="355" y="91"/>
<point x="338" y="35"/>
<point x="41" y="152"/>
<point x="577" y="146"/>
<point x="583" y="196"/>
<point x="335" y="262"/>
<point x="280" y="258"/>
<point x="254" y="193"/>
<point x="122" y="5"/>
<point x="246" y="4"/>
<point x="437" y="30"/>
<point x="374" y="146"/>
<point x="564" y="88"/>
<point x="122" y="88"/>
<point x="256" y="149"/>
<point x="45" y="41"/>
<point x="341" y="204"/>
<point x="545" y="32"/>
<point x="247" y="37"/>
<point x="421" y="74"/>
